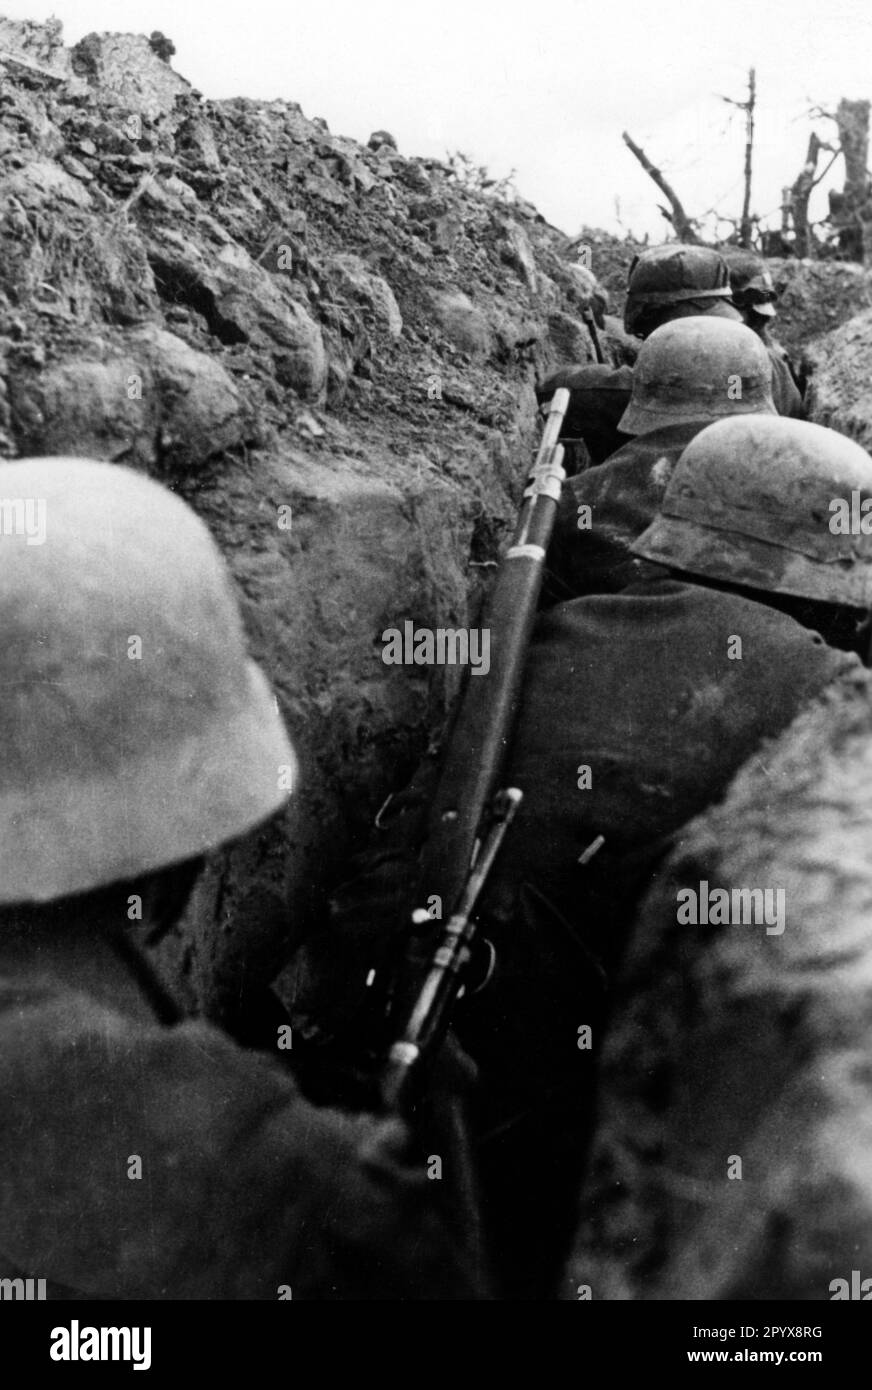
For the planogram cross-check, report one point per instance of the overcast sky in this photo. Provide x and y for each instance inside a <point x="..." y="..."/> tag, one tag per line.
<point x="545" y="89"/>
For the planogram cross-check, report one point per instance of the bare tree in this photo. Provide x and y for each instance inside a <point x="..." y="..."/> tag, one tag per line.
<point x="800" y="192"/>
<point x="745" y="222"/>
<point x="745" y="229"/>
<point x="684" y="226"/>
<point x="850" y="210"/>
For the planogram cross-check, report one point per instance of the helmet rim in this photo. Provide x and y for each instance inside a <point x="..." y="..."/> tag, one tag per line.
<point x="735" y="558"/>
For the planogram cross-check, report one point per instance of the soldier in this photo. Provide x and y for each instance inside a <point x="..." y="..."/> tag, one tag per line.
<point x="688" y="374"/>
<point x="778" y="504"/>
<point x="676" y="281"/>
<point x="665" y="283"/>
<point x="637" y="710"/>
<point x="754" y="295"/>
<point x="143" y="1155"/>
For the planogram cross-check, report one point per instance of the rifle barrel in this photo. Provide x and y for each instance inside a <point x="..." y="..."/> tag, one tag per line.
<point x="474" y="757"/>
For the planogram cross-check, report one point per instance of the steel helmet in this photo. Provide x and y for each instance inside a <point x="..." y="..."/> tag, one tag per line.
<point x="667" y="275"/>
<point x="764" y="502"/>
<point x="751" y="284"/>
<point x="135" y="731"/>
<point x="698" y="368"/>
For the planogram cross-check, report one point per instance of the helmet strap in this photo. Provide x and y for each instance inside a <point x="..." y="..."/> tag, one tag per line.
<point x="162" y="1002"/>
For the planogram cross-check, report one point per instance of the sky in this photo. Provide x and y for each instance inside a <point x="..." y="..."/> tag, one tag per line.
<point x="544" y="91"/>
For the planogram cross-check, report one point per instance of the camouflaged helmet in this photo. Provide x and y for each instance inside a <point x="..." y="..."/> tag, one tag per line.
<point x="136" y="733"/>
<point x="772" y="504"/>
<point x="750" y="282"/>
<point x="671" y="275"/>
<point x="698" y="368"/>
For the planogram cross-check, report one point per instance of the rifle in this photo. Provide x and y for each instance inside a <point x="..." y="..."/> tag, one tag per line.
<point x="471" y="813"/>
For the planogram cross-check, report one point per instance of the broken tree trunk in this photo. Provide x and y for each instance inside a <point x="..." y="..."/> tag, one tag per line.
<point x="800" y="193"/>
<point x="851" y="210"/>
<point x="683" y="225"/>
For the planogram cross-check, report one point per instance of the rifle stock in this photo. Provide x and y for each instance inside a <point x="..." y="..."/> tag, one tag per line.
<point x="468" y="817"/>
